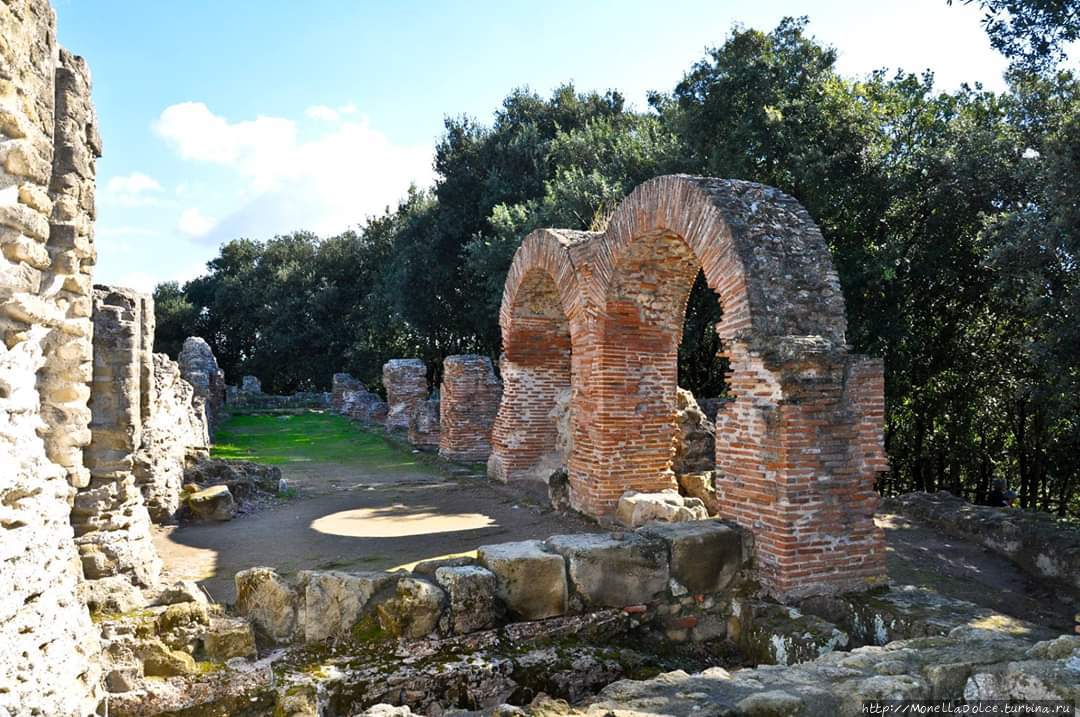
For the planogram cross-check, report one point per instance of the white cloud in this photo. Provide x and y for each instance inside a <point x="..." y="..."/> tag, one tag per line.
<point x="194" y="223"/>
<point x="322" y="112"/>
<point x="138" y="280"/>
<point x="132" y="190"/>
<point x="134" y="183"/>
<point x="347" y="109"/>
<point x="325" y="184"/>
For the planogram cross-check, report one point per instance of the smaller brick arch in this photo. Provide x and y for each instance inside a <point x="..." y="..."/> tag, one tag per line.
<point x="541" y="302"/>
<point x="799" y="446"/>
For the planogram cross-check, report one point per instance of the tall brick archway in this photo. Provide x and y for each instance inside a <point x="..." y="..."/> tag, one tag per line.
<point x="800" y="445"/>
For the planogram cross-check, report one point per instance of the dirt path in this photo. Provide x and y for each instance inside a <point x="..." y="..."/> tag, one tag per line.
<point x="920" y="555"/>
<point x="377" y="507"/>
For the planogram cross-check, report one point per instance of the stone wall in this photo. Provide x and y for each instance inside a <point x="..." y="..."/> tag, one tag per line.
<point x="469" y="400"/>
<point x="249" y="397"/>
<point x="1037" y="542"/>
<point x="406" y="386"/>
<point x="799" y="446"/>
<point x="199" y="367"/>
<point x="48" y="142"/>
<point x="682" y="578"/>
<point x="425" y="423"/>
<point x="174" y="435"/>
<point x="342" y="384"/>
<point x="111" y="522"/>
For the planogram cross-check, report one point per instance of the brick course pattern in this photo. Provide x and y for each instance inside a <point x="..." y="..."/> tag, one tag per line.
<point x="799" y="447"/>
<point x="406" y="386"/>
<point x="469" y="399"/>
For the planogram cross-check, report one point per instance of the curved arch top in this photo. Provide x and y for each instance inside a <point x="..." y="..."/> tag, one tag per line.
<point x="759" y="248"/>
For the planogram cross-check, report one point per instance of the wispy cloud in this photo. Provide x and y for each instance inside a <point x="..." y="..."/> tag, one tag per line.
<point x="322" y="112"/>
<point x="133" y="190"/>
<point x="336" y="179"/>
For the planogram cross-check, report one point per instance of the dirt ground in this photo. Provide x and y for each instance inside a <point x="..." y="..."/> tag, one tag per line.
<point x="360" y="515"/>
<point x="394" y="507"/>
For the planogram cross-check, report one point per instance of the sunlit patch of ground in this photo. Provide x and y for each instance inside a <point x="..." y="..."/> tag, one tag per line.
<point x="397" y="521"/>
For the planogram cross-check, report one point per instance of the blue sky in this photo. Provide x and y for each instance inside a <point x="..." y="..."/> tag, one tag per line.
<point x="228" y="119"/>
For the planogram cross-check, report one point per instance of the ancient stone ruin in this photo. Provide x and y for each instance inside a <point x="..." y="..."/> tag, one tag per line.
<point x="600" y="314"/>
<point x="406" y="386"/>
<point x="469" y="399"/>
<point x="199" y="367"/>
<point x="99" y="437"/>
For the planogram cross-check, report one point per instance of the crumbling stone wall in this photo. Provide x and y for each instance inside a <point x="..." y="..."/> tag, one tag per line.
<point x="801" y="443"/>
<point x="406" y="386"/>
<point x="48" y="142"/>
<point x="425" y="423"/>
<point x="111" y="522"/>
<point x="199" y="367"/>
<point x="342" y="384"/>
<point x="469" y="400"/>
<point x="174" y="434"/>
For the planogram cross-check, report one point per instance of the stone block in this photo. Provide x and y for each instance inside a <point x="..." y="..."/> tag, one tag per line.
<point x="411" y="608"/>
<point x="334" y="601"/>
<point x="705" y="555"/>
<point x="213" y="503"/>
<point x="473" y="598"/>
<point x="615" y="569"/>
<point x="269" y="602"/>
<point x="229" y="637"/>
<point x="532" y="580"/>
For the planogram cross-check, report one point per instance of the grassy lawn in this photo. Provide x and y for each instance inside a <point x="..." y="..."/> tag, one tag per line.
<point x="309" y="438"/>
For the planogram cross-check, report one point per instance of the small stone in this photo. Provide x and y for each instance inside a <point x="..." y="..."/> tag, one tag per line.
<point x="179" y="592"/>
<point x="228" y="638"/>
<point x="213" y="503"/>
<point x="183" y="615"/>
<point x="677" y="588"/>
<point x="637" y="509"/>
<point x="161" y="661"/>
<point x="123" y="679"/>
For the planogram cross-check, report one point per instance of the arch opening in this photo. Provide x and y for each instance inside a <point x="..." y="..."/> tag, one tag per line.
<point x="531" y="437"/>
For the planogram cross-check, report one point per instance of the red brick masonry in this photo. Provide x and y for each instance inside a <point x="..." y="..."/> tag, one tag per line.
<point x="799" y="447"/>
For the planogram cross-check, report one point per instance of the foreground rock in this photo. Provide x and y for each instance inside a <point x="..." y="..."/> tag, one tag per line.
<point x="637" y="509"/>
<point x="213" y="503"/>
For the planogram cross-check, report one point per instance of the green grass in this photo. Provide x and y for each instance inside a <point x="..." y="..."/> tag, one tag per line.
<point x="309" y="438"/>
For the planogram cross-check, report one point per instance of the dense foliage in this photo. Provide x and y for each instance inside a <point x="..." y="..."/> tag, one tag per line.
<point x="954" y="220"/>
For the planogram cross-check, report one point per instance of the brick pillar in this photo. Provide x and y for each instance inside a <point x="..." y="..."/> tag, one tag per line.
<point x="625" y="418"/>
<point x="535" y="369"/>
<point x="469" y="399"/>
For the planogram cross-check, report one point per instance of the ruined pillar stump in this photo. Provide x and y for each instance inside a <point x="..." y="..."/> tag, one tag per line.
<point x="406" y="386"/>
<point x="469" y="399"/>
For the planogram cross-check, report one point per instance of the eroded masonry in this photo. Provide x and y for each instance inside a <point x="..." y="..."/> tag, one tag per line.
<point x="600" y="315"/>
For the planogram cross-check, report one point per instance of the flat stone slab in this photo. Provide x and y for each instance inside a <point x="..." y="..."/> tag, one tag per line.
<point x="532" y="581"/>
<point x="614" y="569"/>
<point x="706" y="555"/>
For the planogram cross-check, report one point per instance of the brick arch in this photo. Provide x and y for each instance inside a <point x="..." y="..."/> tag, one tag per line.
<point x="801" y="443"/>
<point x="541" y="303"/>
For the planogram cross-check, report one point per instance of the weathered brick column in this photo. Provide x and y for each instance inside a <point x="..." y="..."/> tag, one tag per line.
<point x="799" y="446"/>
<point x="406" y="386"/>
<point x="469" y="399"/>
<point x="111" y="522"/>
